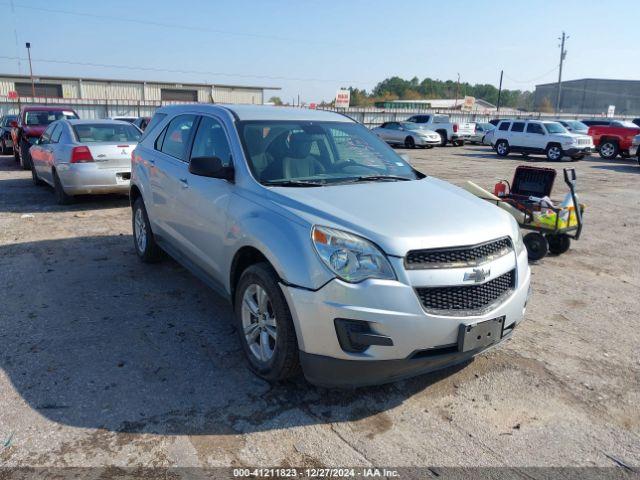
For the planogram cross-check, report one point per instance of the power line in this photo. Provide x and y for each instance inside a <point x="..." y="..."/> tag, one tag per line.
<point x="554" y="69"/>
<point x="194" y="72"/>
<point x="174" y="25"/>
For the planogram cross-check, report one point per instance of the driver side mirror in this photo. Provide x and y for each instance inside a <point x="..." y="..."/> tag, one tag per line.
<point x="211" y="167"/>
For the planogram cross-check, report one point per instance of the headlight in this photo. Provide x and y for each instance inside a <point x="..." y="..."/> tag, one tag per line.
<point x="350" y="257"/>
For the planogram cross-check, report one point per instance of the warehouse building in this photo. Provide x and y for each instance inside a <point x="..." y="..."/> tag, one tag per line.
<point x="590" y="96"/>
<point x="101" y="98"/>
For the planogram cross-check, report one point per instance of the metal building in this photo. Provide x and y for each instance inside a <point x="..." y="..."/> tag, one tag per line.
<point x="101" y="98"/>
<point x="590" y="96"/>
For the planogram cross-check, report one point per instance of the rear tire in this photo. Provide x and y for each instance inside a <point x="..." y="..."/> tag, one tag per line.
<point x="34" y="177"/>
<point x="409" y="142"/>
<point x="265" y="328"/>
<point x="609" y="149"/>
<point x="143" y="239"/>
<point x="458" y="143"/>
<point x="537" y="246"/>
<point x="502" y="148"/>
<point x="559" y="244"/>
<point x="61" y="196"/>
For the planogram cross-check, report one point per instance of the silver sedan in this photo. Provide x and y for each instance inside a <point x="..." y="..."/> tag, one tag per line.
<point x="407" y="134"/>
<point x="84" y="157"/>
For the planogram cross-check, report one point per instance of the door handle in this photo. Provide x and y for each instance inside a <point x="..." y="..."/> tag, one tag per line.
<point x="185" y="183"/>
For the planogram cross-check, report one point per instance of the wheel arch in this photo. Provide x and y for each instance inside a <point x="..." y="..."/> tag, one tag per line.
<point x="243" y="259"/>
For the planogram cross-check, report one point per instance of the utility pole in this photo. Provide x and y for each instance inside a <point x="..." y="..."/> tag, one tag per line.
<point x="457" y="89"/>
<point x="563" y="54"/>
<point x="33" y="85"/>
<point x="499" y="92"/>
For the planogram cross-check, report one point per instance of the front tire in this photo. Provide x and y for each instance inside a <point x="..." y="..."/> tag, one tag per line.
<point x="145" y="243"/>
<point x="554" y="153"/>
<point x="264" y="324"/>
<point x="409" y="142"/>
<point x="502" y="148"/>
<point x="609" y="149"/>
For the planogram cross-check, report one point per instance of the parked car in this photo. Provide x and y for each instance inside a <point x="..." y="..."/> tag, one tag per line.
<point x="450" y="132"/>
<point x="488" y="137"/>
<point x="409" y="134"/>
<point x="481" y="129"/>
<point x="614" y="139"/>
<point x="540" y="137"/>
<point x="142" y="122"/>
<point x="84" y="157"/>
<point x="6" y="143"/>
<point x="574" y="126"/>
<point x="338" y="257"/>
<point x="602" y="122"/>
<point x="496" y="121"/>
<point x="32" y="122"/>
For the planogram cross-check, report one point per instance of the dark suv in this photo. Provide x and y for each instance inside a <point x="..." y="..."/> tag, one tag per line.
<point x="6" y="144"/>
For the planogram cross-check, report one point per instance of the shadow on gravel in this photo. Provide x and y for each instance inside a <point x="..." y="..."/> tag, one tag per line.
<point x="93" y="338"/>
<point x="20" y="195"/>
<point x="634" y="168"/>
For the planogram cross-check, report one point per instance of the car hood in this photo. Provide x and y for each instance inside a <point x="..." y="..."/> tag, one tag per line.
<point x="34" y="130"/>
<point x="399" y="216"/>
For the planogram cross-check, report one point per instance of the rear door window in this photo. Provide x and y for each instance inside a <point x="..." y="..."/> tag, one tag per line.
<point x="177" y="136"/>
<point x="535" y="128"/>
<point x="517" y="127"/>
<point x="504" y="126"/>
<point x="157" y="118"/>
<point x="57" y="132"/>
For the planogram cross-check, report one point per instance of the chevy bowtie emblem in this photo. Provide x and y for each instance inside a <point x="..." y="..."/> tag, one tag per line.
<point x="478" y="275"/>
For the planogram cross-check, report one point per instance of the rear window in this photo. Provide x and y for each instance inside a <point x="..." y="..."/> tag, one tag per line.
<point x="504" y="126"/>
<point x="517" y="127"/>
<point x="106" y="132"/>
<point x="157" y="118"/>
<point x="45" y="117"/>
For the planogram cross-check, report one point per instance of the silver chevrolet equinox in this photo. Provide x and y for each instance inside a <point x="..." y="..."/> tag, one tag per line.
<point x="339" y="258"/>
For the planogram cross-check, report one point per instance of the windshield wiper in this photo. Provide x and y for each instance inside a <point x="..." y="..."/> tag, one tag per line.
<point x="293" y="183"/>
<point x="370" y="178"/>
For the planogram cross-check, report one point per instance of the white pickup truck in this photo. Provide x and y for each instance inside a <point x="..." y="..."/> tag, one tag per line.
<point x="454" y="133"/>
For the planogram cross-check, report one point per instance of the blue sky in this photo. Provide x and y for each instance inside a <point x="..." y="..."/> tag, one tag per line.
<point x="313" y="47"/>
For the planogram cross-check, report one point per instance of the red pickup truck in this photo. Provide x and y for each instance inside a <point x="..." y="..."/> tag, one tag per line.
<point x="31" y="123"/>
<point x="611" y="140"/>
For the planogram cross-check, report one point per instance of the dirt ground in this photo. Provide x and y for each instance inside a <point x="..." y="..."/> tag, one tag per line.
<point x="107" y="361"/>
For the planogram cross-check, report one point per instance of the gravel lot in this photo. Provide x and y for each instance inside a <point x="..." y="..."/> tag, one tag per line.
<point x="106" y="361"/>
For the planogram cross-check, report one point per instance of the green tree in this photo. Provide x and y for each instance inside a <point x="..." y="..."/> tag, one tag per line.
<point x="275" y="101"/>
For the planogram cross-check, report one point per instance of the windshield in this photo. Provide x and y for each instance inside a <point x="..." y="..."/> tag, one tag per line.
<point x="554" y="127"/>
<point x="414" y="126"/>
<point x="626" y="124"/>
<point x="105" y="132"/>
<point x="45" y="117"/>
<point x="295" y="152"/>
<point x="577" y="125"/>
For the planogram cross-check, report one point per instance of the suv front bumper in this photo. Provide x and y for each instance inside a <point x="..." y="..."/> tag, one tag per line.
<point x="579" y="150"/>
<point x="422" y="342"/>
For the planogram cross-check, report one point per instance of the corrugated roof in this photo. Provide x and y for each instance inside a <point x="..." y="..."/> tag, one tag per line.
<point x="118" y="80"/>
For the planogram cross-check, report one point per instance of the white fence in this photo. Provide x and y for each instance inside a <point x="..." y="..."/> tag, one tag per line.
<point x="372" y="117"/>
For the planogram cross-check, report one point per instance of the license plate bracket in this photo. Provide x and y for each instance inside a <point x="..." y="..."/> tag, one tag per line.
<point x="480" y="335"/>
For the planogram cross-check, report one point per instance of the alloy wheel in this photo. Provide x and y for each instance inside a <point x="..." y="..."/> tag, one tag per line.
<point x="555" y="153"/>
<point x="607" y="149"/>
<point x="259" y="323"/>
<point x="140" y="231"/>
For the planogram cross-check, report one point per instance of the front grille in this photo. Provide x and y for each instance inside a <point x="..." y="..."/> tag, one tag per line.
<point x="457" y="256"/>
<point x="584" y="141"/>
<point x="466" y="297"/>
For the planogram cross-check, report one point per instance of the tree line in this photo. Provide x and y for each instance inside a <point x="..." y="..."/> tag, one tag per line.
<point x="396" y="88"/>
